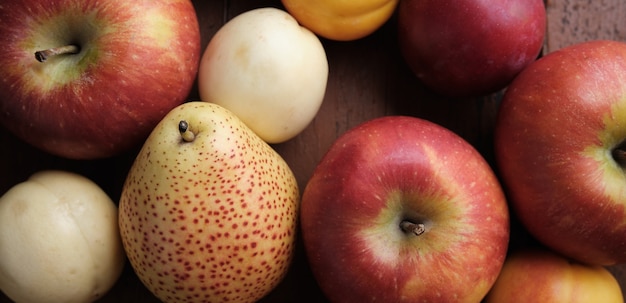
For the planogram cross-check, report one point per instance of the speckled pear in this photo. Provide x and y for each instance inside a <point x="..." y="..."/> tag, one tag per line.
<point x="208" y="212"/>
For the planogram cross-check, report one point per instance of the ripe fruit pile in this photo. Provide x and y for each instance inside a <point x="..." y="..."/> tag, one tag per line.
<point x="396" y="209"/>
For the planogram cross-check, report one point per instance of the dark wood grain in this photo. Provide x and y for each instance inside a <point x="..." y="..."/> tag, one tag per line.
<point x="573" y="21"/>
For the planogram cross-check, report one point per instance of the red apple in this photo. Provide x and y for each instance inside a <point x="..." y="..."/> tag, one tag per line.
<point x="559" y="142"/>
<point x="111" y="70"/>
<point x="467" y="48"/>
<point x="403" y="210"/>
<point x="541" y="276"/>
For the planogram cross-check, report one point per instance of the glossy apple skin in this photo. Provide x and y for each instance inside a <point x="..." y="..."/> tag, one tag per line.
<point x="542" y="276"/>
<point x="465" y="48"/>
<point x="556" y="128"/>
<point x="395" y="168"/>
<point x="138" y="60"/>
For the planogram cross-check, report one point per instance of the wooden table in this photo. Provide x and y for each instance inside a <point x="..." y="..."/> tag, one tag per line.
<point x="368" y="78"/>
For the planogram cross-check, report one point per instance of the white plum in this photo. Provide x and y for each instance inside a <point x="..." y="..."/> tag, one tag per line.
<point x="268" y="70"/>
<point x="59" y="240"/>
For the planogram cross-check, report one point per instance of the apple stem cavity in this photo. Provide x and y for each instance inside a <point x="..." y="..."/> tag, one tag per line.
<point x="43" y="55"/>
<point x="185" y="133"/>
<point x="411" y="227"/>
<point x="619" y="154"/>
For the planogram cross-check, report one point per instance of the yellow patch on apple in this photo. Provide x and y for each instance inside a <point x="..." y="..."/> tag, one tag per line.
<point x="609" y="170"/>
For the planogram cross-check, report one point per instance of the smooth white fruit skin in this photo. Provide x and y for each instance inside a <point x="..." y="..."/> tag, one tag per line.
<point x="268" y="70"/>
<point x="59" y="240"/>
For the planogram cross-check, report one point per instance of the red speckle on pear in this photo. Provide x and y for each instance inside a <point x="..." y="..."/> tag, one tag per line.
<point x="211" y="220"/>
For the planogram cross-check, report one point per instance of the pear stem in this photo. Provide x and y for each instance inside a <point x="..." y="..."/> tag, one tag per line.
<point x="410" y="227"/>
<point x="43" y="55"/>
<point x="185" y="133"/>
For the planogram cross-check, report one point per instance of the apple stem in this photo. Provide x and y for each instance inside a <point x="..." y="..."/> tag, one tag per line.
<point x="43" y="55"/>
<point x="185" y="133"/>
<point x="410" y="227"/>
